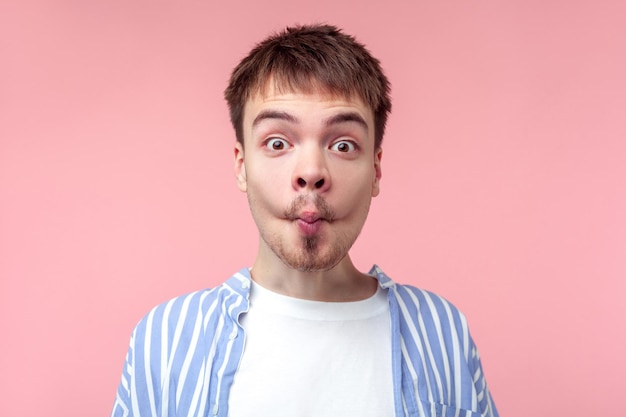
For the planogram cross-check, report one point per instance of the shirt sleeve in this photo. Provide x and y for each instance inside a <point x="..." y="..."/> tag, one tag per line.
<point x="483" y="396"/>
<point x="122" y="405"/>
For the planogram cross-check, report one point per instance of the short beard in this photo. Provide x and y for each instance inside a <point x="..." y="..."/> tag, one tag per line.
<point x="307" y="258"/>
<point x="310" y="244"/>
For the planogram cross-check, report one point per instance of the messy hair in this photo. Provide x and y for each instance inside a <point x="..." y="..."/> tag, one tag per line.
<point x="310" y="59"/>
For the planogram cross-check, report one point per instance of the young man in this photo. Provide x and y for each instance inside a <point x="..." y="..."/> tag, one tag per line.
<point x="303" y="332"/>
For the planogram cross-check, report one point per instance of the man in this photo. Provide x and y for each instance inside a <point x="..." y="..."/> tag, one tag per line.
<point x="303" y="332"/>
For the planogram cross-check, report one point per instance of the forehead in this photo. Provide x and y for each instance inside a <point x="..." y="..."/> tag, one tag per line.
<point x="304" y="101"/>
<point x="303" y="85"/>
<point x="277" y="86"/>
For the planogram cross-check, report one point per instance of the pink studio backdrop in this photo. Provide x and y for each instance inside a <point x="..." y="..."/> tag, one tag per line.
<point x="504" y="182"/>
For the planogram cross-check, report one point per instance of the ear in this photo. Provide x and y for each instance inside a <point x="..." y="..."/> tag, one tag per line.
<point x="378" y="155"/>
<point x="240" y="168"/>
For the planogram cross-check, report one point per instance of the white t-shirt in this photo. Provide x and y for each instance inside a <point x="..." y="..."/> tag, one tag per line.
<point x="310" y="358"/>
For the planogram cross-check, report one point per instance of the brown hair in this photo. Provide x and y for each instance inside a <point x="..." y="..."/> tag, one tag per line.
<point x="308" y="59"/>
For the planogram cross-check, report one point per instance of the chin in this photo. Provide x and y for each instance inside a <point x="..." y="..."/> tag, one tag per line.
<point x="311" y="259"/>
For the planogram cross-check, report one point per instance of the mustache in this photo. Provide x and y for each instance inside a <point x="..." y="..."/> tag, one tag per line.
<point x="324" y="211"/>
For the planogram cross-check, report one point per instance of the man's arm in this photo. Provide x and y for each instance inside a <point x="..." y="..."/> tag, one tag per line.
<point x="122" y="405"/>
<point x="483" y="396"/>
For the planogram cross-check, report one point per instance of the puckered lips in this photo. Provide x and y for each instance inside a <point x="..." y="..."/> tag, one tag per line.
<point x="309" y="222"/>
<point x="309" y="212"/>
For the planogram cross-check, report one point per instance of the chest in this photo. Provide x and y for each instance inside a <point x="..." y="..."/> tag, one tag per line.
<point x="304" y="367"/>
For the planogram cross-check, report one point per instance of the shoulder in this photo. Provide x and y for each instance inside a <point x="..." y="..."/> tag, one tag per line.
<point x="198" y="308"/>
<point x="430" y="312"/>
<point x="425" y="302"/>
<point x="416" y="302"/>
<point x="424" y="315"/>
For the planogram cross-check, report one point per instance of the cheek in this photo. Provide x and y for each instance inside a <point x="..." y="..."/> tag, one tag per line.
<point x="270" y="170"/>
<point x="356" y="193"/>
<point x="265" y="195"/>
<point x="357" y="181"/>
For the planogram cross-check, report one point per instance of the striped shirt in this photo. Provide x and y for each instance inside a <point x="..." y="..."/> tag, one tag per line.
<point x="184" y="354"/>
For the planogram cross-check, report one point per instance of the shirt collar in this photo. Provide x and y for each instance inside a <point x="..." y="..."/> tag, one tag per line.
<point x="240" y="282"/>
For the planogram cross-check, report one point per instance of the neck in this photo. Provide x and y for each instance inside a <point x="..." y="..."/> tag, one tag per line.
<point x="343" y="282"/>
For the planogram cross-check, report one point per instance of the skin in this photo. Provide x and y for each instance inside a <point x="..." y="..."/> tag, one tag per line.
<point x="310" y="170"/>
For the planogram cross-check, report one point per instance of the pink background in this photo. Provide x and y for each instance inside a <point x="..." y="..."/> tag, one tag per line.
<point x="504" y="182"/>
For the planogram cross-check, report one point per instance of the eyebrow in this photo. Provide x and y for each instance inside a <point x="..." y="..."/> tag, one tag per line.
<point x="274" y="114"/>
<point x="344" y="117"/>
<point x="347" y="117"/>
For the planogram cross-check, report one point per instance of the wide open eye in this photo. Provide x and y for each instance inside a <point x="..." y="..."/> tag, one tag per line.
<point x="343" y="146"/>
<point x="277" y="144"/>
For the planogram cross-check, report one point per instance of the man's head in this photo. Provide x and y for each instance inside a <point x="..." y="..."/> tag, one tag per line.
<point x="310" y="59"/>
<point x="310" y="105"/>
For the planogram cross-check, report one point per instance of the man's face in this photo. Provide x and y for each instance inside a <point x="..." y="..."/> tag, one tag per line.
<point x="309" y="169"/>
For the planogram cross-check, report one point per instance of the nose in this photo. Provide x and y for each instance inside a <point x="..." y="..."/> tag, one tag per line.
<point x="311" y="171"/>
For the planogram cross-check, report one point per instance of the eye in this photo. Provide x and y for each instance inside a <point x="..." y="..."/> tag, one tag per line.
<point x="343" y="146"/>
<point x="277" y="144"/>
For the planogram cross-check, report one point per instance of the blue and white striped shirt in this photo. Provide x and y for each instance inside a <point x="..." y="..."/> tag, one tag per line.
<point x="184" y="354"/>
